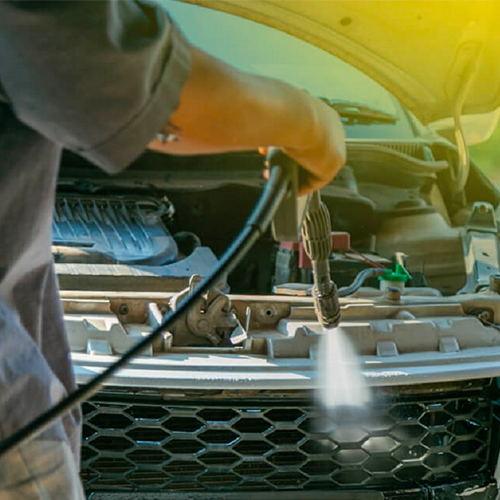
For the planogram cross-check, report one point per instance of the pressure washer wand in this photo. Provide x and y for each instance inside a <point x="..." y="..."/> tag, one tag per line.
<point x="342" y="392"/>
<point x="341" y="388"/>
<point x="316" y="237"/>
<point x="309" y="216"/>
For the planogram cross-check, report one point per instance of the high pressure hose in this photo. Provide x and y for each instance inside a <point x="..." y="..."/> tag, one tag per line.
<point x="273" y="193"/>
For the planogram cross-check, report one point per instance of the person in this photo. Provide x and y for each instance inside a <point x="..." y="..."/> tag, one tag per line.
<point x="103" y="79"/>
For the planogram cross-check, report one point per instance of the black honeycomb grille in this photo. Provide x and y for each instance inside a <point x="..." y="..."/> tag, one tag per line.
<point x="139" y="443"/>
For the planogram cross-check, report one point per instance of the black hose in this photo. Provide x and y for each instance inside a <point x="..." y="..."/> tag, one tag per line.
<point x="360" y="278"/>
<point x="256" y="224"/>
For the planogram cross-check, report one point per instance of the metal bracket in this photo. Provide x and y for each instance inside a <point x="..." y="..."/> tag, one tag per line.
<point x="481" y="247"/>
<point x="210" y="322"/>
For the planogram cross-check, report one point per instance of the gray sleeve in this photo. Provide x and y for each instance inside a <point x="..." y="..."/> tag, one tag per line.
<point x="99" y="78"/>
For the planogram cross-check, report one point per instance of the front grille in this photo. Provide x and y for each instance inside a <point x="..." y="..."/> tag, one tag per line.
<point x="142" y="443"/>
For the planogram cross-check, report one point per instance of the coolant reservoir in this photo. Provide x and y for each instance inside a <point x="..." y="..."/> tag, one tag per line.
<point x="394" y="279"/>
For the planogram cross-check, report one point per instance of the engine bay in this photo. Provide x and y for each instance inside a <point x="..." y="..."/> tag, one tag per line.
<point x="153" y="231"/>
<point x="167" y="218"/>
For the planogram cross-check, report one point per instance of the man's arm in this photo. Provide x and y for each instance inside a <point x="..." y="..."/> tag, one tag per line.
<point x="224" y="109"/>
<point x="130" y="71"/>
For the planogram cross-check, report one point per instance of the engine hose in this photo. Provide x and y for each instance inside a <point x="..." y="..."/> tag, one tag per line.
<point x="360" y="278"/>
<point x="273" y="193"/>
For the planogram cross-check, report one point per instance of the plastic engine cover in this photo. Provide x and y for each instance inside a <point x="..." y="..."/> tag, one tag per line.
<point x="112" y="230"/>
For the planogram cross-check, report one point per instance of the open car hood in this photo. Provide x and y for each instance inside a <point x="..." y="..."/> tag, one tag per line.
<point x="439" y="58"/>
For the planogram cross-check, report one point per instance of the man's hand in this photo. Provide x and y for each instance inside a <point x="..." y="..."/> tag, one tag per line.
<point x="222" y="109"/>
<point x="322" y="152"/>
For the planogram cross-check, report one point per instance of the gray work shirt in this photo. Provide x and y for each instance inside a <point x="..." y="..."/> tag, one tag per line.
<point x="101" y="79"/>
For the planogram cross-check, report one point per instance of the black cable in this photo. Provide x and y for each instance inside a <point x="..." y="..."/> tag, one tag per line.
<point x="360" y="278"/>
<point x="256" y="224"/>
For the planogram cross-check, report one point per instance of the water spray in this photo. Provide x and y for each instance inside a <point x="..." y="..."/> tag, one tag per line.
<point x="341" y="388"/>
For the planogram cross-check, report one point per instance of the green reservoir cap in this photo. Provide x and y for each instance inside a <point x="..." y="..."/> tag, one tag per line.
<point x="399" y="274"/>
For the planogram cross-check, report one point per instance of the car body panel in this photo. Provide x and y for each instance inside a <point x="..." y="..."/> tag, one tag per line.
<point x="424" y="52"/>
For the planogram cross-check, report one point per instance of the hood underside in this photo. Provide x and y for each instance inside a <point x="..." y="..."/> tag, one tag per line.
<point x="437" y="57"/>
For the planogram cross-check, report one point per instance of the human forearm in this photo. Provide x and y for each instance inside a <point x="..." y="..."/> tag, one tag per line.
<point x="223" y="109"/>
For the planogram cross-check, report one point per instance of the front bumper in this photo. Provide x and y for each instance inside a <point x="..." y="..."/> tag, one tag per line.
<point x="191" y="423"/>
<point x="480" y="489"/>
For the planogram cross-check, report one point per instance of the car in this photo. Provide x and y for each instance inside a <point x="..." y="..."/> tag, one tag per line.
<point x="223" y="405"/>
